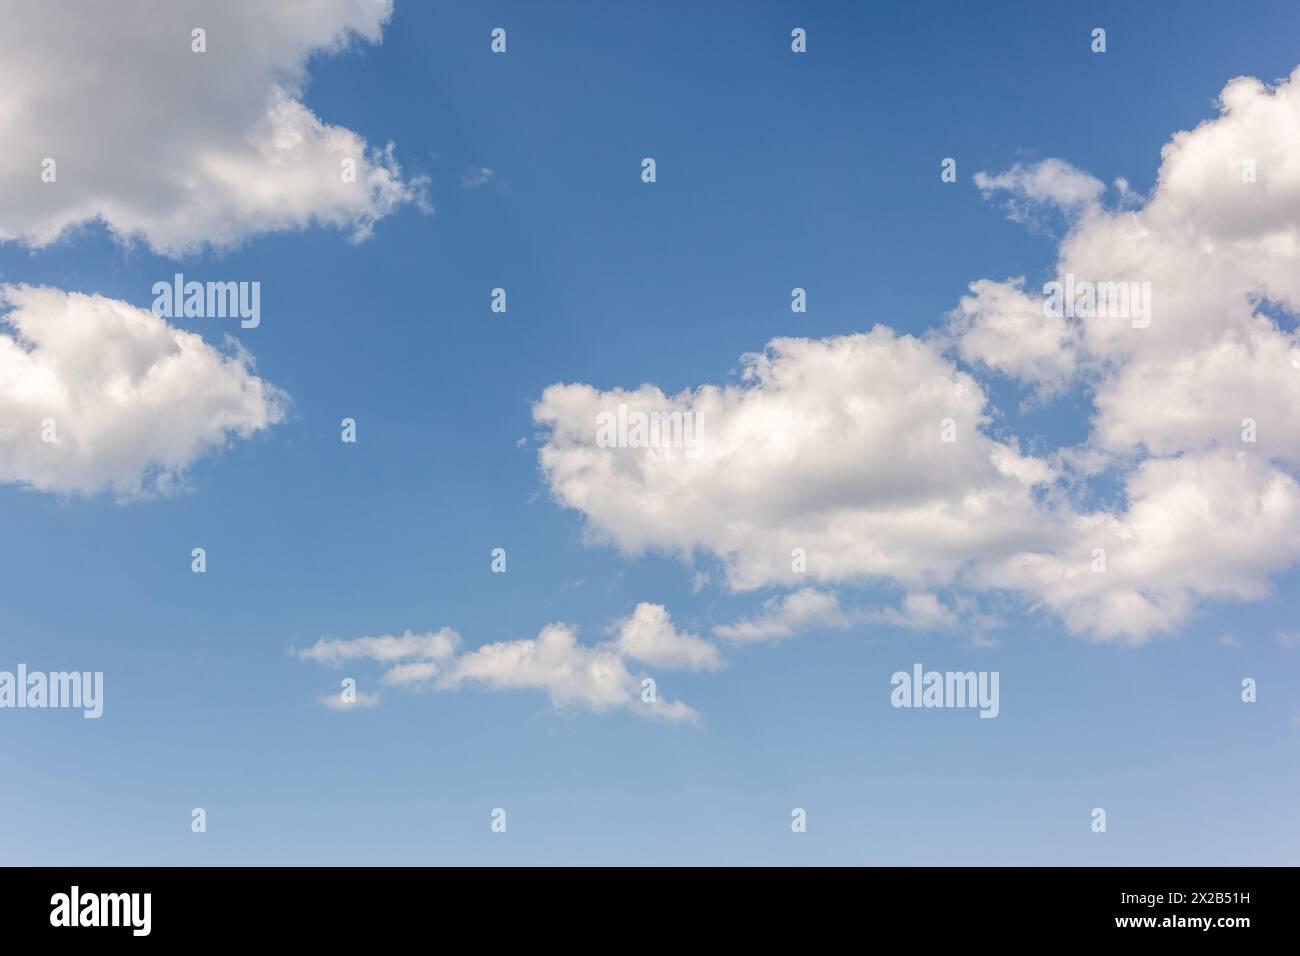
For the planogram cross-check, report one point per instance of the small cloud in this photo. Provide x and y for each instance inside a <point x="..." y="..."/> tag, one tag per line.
<point x="1053" y="182"/>
<point x="385" y="649"/>
<point x="474" y="178"/>
<point x="575" y="676"/>
<point x="648" y="635"/>
<point x="980" y="642"/>
<point x="1229" y="641"/>
<point x="1288" y="639"/>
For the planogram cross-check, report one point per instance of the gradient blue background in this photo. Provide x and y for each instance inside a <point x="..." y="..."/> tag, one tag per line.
<point x="774" y="171"/>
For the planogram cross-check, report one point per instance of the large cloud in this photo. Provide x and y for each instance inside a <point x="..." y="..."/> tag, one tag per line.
<point x="98" y="395"/>
<point x="1212" y="525"/>
<point x="1218" y="244"/>
<point x="832" y="445"/>
<point x="177" y="147"/>
<point x="836" y="447"/>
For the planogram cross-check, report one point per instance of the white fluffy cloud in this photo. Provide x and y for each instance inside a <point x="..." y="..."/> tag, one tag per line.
<point x="175" y="147"/>
<point x="1206" y="526"/>
<point x="1219" y="254"/>
<point x="1001" y="326"/>
<point x="833" y="445"/>
<point x="1052" y="182"/>
<point x="1210" y="515"/>
<point x="648" y="635"/>
<point x="129" y="401"/>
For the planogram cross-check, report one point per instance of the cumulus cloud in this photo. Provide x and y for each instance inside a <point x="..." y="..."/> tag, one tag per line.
<point x="1002" y="327"/>
<point x="832" y="446"/>
<point x="99" y="395"/>
<point x="1210" y="526"/>
<point x="648" y="635"/>
<point x="1052" y="182"/>
<point x="1216" y="244"/>
<point x="1204" y="397"/>
<point x="179" y="148"/>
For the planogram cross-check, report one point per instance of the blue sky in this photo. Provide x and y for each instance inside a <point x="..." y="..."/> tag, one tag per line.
<point x="774" y="170"/>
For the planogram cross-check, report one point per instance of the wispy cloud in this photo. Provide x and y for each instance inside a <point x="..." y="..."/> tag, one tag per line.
<point x="474" y="178"/>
